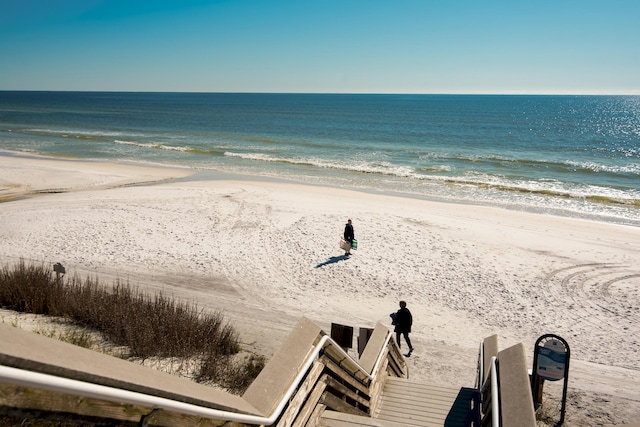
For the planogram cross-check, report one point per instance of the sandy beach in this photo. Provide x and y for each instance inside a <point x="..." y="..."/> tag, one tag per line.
<point x="266" y="253"/>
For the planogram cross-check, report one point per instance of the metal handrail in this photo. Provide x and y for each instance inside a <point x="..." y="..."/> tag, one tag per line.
<point x="495" y="394"/>
<point x="60" y="384"/>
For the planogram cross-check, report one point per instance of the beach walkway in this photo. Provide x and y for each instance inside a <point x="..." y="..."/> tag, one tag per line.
<point x="409" y="403"/>
<point x="310" y="381"/>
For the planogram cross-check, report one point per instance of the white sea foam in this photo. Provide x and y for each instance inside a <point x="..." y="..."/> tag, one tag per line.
<point x="632" y="168"/>
<point x="384" y="168"/>
<point x="153" y="145"/>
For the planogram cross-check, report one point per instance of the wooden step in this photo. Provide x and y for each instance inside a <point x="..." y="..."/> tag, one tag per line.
<point x="339" y="419"/>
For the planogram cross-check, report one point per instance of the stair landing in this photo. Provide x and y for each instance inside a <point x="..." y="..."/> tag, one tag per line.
<point x="405" y="403"/>
<point x="415" y="404"/>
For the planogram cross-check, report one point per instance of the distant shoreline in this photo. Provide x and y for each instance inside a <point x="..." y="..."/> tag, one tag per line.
<point x="190" y="174"/>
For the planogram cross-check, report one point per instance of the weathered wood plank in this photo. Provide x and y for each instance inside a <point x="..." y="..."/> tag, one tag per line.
<point x="22" y="416"/>
<point x="394" y="368"/>
<point x="314" y="419"/>
<point x="312" y="402"/>
<point x="393" y="386"/>
<point x="295" y="404"/>
<point x="418" y="406"/>
<point x="346" y="363"/>
<point x="411" y="412"/>
<point x="340" y="373"/>
<point x="399" y="362"/>
<point x="27" y="399"/>
<point x="338" y="419"/>
<point x="347" y="392"/>
<point x="339" y="405"/>
<point x="376" y="387"/>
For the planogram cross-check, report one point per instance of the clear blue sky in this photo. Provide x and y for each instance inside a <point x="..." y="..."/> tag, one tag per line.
<point x="341" y="46"/>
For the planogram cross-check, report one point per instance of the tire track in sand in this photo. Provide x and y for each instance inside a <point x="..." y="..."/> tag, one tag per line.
<point x="599" y="300"/>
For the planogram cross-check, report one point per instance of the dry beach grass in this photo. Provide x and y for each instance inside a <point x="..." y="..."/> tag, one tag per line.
<point x="264" y="253"/>
<point x="140" y="325"/>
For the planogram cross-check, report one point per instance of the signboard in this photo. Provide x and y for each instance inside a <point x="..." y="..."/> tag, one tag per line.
<point x="342" y="335"/>
<point x="363" y="339"/>
<point x="552" y="358"/>
<point x="550" y="362"/>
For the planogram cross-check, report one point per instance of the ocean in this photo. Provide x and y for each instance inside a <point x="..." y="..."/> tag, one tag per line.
<point x="576" y="156"/>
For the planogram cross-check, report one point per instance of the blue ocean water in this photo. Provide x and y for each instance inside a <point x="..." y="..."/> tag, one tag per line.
<point x="565" y="155"/>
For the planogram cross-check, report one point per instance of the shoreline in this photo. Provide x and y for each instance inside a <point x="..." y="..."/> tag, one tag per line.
<point x="177" y="173"/>
<point x="271" y="249"/>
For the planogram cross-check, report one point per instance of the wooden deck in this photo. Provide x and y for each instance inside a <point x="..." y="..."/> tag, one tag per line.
<point x="340" y="419"/>
<point x="414" y="404"/>
<point x="406" y="403"/>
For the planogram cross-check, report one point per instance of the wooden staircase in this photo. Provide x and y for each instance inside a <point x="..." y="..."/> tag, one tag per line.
<point x="310" y="381"/>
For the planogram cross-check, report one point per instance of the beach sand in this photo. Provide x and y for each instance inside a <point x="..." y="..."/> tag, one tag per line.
<point x="265" y="253"/>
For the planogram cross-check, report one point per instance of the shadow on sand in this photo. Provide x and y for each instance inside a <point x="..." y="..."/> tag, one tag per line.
<point x="333" y="260"/>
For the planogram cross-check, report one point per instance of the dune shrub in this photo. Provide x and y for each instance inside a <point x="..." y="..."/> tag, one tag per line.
<point x="147" y="325"/>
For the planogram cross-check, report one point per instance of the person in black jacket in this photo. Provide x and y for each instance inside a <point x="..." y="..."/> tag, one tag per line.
<point x="403" y="321"/>
<point x="348" y="235"/>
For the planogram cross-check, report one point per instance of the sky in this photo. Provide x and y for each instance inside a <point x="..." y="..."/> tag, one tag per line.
<point x="322" y="46"/>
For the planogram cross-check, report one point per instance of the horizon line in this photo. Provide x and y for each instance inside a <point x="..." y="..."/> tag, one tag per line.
<point x="632" y="93"/>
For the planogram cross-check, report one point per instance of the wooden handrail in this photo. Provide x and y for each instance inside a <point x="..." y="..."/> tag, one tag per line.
<point x="506" y="399"/>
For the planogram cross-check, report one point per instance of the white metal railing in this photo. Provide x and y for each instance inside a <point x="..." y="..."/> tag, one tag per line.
<point x="494" y="392"/>
<point x="60" y="384"/>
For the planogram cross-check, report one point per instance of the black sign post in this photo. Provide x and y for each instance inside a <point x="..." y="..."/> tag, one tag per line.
<point x="550" y="362"/>
<point x="59" y="270"/>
